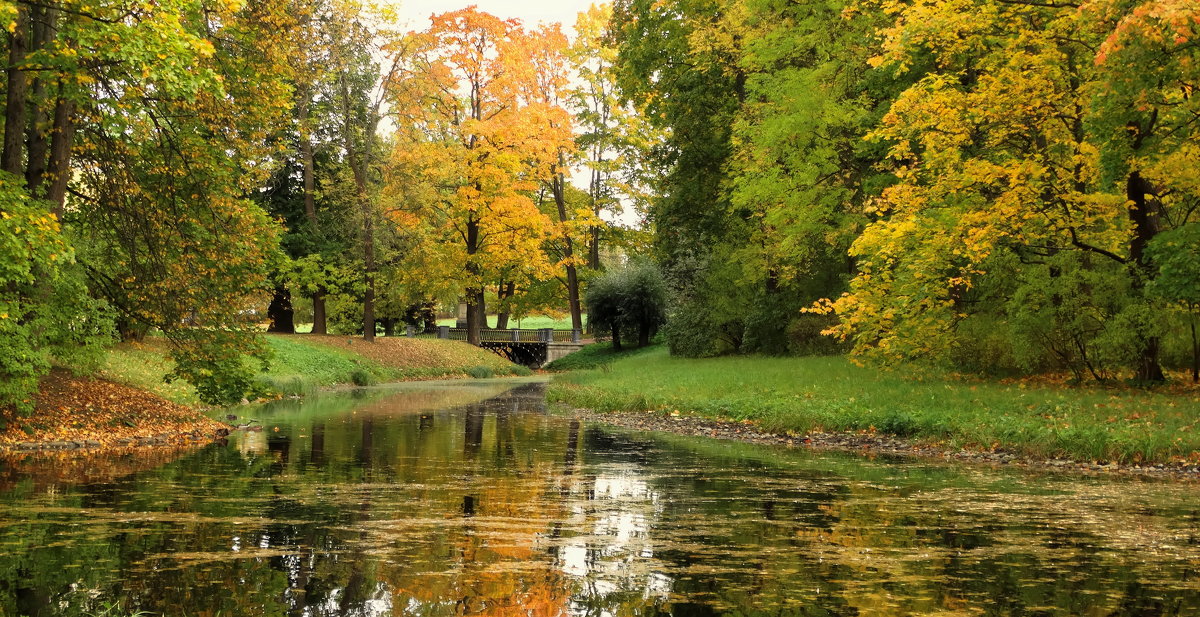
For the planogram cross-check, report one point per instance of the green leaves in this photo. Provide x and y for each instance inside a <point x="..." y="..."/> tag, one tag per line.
<point x="1176" y="257"/>
<point x="45" y="310"/>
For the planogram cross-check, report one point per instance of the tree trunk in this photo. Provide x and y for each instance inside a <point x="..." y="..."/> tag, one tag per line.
<point x="596" y="192"/>
<point x="557" y="186"/>
<point x="15" y="95"/>
<point x="594" y="250"/>
<point x="43" y="23"/>
<point x="281" y="312"/>
<point x="359" y="163"/>
<point x="310" y="202"/>
<point x="319" y="320"/>
<point x="36" y="144"/>
<point x="473" y="335"/>
<point x="62" y="140"/>
<point x="643" y="334"/>
<point x="389" y="326"/>
<point x="1144" y="219"/>
<point x="129" y="330"/>
<point x="476" y="311"/>
<point x="616" y="335"/>
<point x="480" y="307"/>
<point x="369" y="294"/>
<point x="1195" y="354"/>
<point x="505" y="293"/>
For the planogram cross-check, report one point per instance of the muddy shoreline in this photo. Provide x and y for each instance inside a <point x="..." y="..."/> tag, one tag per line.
<point x="867" y="444"/>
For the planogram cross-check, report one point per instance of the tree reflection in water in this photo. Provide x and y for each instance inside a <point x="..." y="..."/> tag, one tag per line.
<point x="463" y="499"/>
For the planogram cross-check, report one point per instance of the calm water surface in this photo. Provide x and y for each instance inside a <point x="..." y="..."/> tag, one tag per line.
<point x="470" y="499"/>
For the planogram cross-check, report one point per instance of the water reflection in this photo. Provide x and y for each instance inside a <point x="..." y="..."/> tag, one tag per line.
<point x="469" y="499"/>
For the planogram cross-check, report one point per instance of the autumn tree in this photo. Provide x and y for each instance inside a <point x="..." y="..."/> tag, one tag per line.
<point x="545" y="94"/>
<point x="143" y="127"/>
<point x="1034" y="168"/>
<point x="1146" y="119"/>
<point x="474" y="129"/>
<point x="613" y="141"/>
<point x="171" y="238"/>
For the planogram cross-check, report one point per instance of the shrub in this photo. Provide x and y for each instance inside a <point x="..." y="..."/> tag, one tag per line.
<point x="220" y="363"/>
<point x="628" y="301"/>
<point x="294" y="385"/>
<point x="804" y="336"/>
<point x="45" y="309"/>
<point x="523" y="371"/>
<point x="362" y="377"/>
<point x="480" y="372"/>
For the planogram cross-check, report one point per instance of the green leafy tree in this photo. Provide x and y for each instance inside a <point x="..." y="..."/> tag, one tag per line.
<point x="1037" y="158"/>
<point x="630" y="299"/>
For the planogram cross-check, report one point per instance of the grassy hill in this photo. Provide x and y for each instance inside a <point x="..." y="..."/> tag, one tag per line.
<point x="302" y="364"/>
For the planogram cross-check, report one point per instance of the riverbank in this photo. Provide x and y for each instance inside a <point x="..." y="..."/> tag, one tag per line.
<point x="830" y="402"/>
<point x="128" y="403"/>
<point x="303" y="364"/>
<point x="866" y="443"/>
<point x="74" y="412"/>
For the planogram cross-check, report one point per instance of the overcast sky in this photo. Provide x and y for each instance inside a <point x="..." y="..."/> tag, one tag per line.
<point x="417" y="12"/>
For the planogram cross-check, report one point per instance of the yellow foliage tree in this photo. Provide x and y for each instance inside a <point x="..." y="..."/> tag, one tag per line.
<point x="476" y="135"/>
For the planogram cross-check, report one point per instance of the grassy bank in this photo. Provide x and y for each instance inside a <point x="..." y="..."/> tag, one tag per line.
<point x="303" y="364"/>
<point x="128" y="402"/>
<point x="594" y="356"/>
<point x="803" y="395"/>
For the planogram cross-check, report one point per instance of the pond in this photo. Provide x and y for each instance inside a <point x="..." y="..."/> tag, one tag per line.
<point x="470" y="498"/>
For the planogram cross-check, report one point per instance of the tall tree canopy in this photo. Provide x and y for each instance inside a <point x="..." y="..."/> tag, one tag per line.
<point x="1037" y="159"/>
<point x="478" y="131"/>
<point x="143" y="128"/>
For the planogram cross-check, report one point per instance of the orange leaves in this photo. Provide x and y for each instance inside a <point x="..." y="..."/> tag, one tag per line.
<point x="1161" y="23"/>
<point x="78" y="409"/>
<point x="481" y="127"/>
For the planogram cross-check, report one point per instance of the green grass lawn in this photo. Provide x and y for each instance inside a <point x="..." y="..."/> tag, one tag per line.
<point x="143" y="367"/>
<point x="596" y="355"/>
<point x="830" y="394"/>
<point x="303" y="364"/>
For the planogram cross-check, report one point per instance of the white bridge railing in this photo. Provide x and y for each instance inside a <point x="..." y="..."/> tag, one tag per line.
<point x="512" y="335"/>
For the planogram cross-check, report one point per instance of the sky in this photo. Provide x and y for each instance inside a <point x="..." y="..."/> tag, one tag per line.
<point x="417" y="12"/>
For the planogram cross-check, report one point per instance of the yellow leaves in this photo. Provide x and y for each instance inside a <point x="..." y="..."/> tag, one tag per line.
<point x="475" y="161"/>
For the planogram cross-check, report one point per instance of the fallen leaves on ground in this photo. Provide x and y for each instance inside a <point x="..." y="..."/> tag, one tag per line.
<point x="414" y="353"/>
<point x="77" y="409"/>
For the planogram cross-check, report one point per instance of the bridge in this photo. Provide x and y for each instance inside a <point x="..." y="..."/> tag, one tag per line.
<point x="532" y="348"/>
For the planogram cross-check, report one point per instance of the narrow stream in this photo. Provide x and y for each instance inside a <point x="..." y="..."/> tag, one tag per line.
<point x="469" y="498"/>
